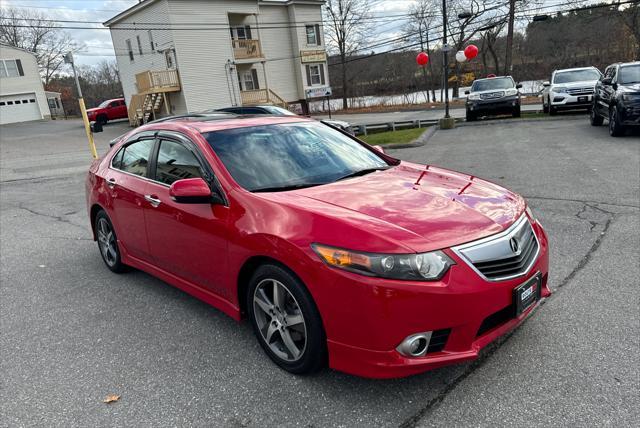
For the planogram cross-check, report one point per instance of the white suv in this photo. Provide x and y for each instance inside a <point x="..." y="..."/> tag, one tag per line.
<point x="571" y="88"/>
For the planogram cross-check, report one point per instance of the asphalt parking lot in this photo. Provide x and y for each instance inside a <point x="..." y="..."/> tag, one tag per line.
<point x="71" y="332"/>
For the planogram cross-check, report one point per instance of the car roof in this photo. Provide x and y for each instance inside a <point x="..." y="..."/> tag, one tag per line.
<point x="576" y="69"/>
<point x="627" y="64"/>
<point x="493" y="78"/>
<point x="210" y="123"/>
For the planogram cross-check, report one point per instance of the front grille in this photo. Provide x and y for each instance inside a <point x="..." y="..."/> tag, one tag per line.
<point x="580" y="91"/>
<point x="438" y="340"/>
<point x="507" y="255"/>
<point x="491" y="95"/>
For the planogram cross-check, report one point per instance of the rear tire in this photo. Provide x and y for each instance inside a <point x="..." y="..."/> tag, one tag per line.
<point x="615" y="128"/>
<point x="108" y="243"/>
<point x="286" y="322"/>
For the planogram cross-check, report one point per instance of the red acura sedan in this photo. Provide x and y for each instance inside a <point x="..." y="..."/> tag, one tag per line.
<point x="337" y="253"/>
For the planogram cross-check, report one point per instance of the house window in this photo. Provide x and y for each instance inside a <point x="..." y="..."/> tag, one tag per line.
<point x="11" y="68"/>
<point x="315" y="75"/>
<point x="313" y="35"/>
<point x="129" y="49"/>
<point x="168" y="56"/>
<point x="153" y="48"/>
<point x="139" y="45"/>
<point x="248" y="80"/>
<point x="241" y="33"/>
<point x="52" y="103"/>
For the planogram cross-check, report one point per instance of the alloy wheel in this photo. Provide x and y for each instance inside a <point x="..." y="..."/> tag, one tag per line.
<point x="107" y="242"/>
<point x="280" y="320"/>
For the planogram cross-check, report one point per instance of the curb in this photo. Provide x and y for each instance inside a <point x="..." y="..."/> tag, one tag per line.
<point x="418" y="142"/>
<point x="518" y="120"/>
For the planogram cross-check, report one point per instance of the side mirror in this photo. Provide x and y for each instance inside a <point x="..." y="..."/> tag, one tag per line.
<point x="191" y="191"/>
<point x="466" y="92"/>
<point x="379" y="149"/>
<point x="519" y="86"/>
<point x="606" y="81"/>
<point x="96" y="127"/>
<point x="546" y="83"/>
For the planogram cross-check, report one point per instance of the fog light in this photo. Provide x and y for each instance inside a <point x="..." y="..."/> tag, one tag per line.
<point x="415" y="345"/>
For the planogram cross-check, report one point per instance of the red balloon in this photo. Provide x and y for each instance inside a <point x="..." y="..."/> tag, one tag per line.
<point x="422" y="59"/>
<point x="471" y="51"/>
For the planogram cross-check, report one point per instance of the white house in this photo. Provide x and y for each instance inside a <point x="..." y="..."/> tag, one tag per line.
<point x="178" y="56"/>
<point x="22" y="95"/>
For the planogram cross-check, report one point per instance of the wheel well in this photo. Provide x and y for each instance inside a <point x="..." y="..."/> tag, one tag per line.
<point x="95" y="209"/>
<point x="246" y="272"/>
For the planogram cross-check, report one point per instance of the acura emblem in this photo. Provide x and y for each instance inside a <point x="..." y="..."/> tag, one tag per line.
<point x="515" y="245"/>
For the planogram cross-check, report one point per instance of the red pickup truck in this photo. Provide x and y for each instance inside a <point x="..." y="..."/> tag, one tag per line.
<point x="108" y="110"/>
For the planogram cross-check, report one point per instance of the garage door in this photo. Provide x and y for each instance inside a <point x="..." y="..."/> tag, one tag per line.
<point x="19" y="108"/>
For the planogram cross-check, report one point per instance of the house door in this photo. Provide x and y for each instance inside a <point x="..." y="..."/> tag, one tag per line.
<point x="248" y="80"/>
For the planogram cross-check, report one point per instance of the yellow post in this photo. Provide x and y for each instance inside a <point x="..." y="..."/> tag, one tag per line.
<point x="87" y="128"/>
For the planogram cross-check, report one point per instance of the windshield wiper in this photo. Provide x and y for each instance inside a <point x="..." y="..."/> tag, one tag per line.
<point x="285" y="188"/>
<point x="363" y="172"/>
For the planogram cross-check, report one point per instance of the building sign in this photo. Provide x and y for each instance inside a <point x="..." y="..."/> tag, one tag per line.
<point x="313" y="56"/>
<point x="321" y="92"/>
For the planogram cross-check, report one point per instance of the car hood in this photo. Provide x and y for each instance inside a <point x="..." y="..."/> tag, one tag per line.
<point x="632" y="88"/>
<point x="93" y="110"/>
<point x="424" y="208"/>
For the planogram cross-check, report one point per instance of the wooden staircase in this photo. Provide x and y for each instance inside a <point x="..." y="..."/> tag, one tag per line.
<point x="145" y="107"/>
<point x="152" y="95"/>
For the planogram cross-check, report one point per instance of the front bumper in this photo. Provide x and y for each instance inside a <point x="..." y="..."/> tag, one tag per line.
<point x="494" y="106"/>
<point x="562" y="100"/>
<point x="371" y="316"/>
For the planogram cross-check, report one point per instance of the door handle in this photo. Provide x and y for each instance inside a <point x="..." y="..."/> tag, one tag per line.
<point x="111" y="183"/>
<point x="153" y="200"/>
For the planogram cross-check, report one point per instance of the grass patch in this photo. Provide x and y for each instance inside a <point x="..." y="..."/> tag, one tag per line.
<point x="402" y="136"/>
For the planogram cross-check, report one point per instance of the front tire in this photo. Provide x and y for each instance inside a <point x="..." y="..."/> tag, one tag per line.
<point x="545" y="107"/>
<point x="552" y="110"/>
<point x="516" y="112"/>
<point x="108" y="243"/>
<point x="470" y="117"/>
<point x="615" y="128"/>
<point x="286" y="321"/>
<point x="102" y="119"/>
<point x="594" y="118"/>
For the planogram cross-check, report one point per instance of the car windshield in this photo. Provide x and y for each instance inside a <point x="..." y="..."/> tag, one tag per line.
<point x="629" y="74"/>
<point x="282" y="157"/>
<point x="104" y="104"/>
<point x="576" y="76"/>
<point x="279" y="111"/>
<point x="490" y="84"/>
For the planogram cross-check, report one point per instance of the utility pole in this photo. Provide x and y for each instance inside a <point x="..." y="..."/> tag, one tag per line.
<point x="68" y="58"/>
<point x="447" y="122"/>
<point x="507" y="62"/>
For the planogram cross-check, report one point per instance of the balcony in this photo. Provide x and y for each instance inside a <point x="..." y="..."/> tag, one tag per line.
<point x="150" y="82"/>
<point x="262" y="96"/>
<point x="246" y="49"/>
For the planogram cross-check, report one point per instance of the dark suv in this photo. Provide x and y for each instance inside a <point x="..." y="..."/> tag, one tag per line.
<point x="493" y="95"/>
<point x="617" y="98"/>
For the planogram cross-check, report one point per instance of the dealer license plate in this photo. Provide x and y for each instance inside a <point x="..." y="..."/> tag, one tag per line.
<point x="527" y="294"/>
<point x="583" y="99"/>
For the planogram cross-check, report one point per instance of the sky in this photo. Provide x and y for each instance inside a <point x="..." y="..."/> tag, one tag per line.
<point x="97" y="43"/>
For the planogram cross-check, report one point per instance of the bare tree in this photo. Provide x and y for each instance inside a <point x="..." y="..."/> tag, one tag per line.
<point x="347" y="22"/>
<point x="30" y="30"/>
<point x="420" y="25"/>
<point x="631" y="19"/>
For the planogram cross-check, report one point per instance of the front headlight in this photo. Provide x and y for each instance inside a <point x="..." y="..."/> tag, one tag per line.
<point x="418" y="267"/>
<point x="510" y="92"/>
<point x="474" y="96"/>
<point x="559" y="89"/>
